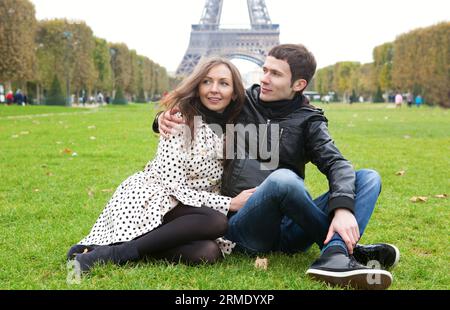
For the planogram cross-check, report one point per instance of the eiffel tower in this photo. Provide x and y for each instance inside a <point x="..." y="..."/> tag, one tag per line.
<point x="248" y="44"/>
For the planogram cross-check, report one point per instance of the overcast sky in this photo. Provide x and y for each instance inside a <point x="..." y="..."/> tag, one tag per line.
<point x="334" y="30"/>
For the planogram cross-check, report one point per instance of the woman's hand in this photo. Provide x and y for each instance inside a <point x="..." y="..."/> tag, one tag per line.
<point x="169" y="120"/>
<point x="239" y="201"/>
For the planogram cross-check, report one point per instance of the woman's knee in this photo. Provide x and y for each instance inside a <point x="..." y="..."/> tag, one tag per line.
<point x="219" y="224"/>
<point x="208" y="252"/>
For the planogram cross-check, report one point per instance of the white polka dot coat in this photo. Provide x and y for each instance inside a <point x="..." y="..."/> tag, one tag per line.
<point x="184" y="172"/>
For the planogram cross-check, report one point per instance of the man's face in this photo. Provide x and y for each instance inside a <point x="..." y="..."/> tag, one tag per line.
<point x="276" y="82"/>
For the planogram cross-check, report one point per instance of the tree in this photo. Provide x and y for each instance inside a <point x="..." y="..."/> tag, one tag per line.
<point x="121" y="65"/>
<point x="55" y="95"/>
<point x="17" y="41"/>
<point x="119" y="98"/>
<point x="383" y="56"/>
<point x="343" y="78"/>
<point x="422" y="63"/>
<point x="135" y="78"/>
<point x="102" y="63"/>
<point x="82" y="74"/>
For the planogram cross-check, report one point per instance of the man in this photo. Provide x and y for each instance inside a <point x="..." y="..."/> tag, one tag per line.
<point x="281" y="215"/>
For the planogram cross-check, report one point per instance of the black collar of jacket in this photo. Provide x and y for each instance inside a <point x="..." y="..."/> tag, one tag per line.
<point x="276" y="109"/>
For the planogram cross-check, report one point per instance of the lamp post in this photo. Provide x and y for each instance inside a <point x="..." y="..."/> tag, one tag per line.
<point x="113" y="53"/>
<point x="68" y="35"/>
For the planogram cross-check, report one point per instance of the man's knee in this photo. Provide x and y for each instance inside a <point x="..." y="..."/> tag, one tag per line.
<point x="285" y="180"/>
<point x="369" y="177"/>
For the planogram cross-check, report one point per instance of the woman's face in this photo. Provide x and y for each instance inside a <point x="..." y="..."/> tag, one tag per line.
<point x="216" y="89"/>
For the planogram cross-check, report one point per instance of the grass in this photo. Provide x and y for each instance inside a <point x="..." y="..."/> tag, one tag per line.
<point x="50" y="199"/>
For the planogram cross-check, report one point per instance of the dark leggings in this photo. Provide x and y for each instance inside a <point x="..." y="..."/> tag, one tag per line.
<point x="186" y="235"/>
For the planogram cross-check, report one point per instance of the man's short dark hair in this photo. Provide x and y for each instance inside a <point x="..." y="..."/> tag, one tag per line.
<point x="301" y="61"/>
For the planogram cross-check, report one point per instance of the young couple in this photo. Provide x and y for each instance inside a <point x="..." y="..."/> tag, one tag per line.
<point x="191" y="205"/>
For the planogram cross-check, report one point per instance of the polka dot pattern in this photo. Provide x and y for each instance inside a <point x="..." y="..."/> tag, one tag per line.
<point x="184" y="172"/>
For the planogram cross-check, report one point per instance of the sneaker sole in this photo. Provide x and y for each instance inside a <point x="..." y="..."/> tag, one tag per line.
<point x="363" y="279"/>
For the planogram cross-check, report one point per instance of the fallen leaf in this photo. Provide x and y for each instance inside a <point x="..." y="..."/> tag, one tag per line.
<point x="67" y="151"/>
<point x="91" y="193"/>
<point x="91" y="127"/>
<point x="419" y="199"/>
<point x="441" y="196"/>
<point x="49" y="174"/>
<point x="36" y="190"/>
<point x="400" y="173"/>
<point x="92" y="138"/>
<point x="261" y="263"/>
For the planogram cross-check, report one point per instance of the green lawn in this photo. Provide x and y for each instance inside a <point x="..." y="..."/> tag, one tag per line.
<point x="50" y="199"/>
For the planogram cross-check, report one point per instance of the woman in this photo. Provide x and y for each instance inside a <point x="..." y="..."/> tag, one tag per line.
<point x="172" y="209"/>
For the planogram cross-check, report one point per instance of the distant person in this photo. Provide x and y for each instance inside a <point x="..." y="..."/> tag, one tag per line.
<point x="107" y="99"/>
<point x="419" y="100"/>
<point x="9" y="98"/>
<point x="409" y="99"/>
<point x="18" y="97"/>
<point x="398" y="100"/>
<point x="100" y="98"/>
<point x="361" y="99"/>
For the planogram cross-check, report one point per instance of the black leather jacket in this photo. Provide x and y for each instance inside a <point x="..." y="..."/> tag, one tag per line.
<point x="303" y="137"/>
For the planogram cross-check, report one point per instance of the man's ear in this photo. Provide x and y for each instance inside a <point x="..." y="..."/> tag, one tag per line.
<point x="299" y="85"/>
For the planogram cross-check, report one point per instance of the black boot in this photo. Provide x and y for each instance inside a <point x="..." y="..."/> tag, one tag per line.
<point x="336" y="268"/>
<point x="117" y="254"/>
<point x="79" y="249"/>
<point x="383" y="255"/>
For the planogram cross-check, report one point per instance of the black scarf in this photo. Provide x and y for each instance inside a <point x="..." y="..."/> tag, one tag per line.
<point x="212" y="117"/>
<point x="281" y="108"/>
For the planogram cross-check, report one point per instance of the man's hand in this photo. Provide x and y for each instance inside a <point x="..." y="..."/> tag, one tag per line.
<point x="169" y="120"/>
<point x="344" y="223"/>
<point x="239" y="201"/>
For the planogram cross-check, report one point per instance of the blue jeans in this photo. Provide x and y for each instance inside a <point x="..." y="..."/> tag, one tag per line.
<point x="282" y="216"/>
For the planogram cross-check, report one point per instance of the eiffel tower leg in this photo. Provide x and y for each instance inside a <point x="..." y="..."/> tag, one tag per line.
<point x="188" y="63"/>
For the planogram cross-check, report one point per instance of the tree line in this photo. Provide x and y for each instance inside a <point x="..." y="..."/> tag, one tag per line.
<point x="417" y="62"/>
<point x="60" y="55"/>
